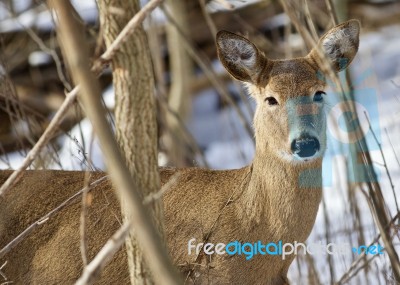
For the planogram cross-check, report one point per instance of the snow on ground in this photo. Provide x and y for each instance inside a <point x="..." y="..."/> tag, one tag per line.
<point x="374" y="70"/>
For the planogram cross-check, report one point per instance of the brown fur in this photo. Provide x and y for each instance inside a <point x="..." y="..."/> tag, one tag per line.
<point x="262" y="201"/>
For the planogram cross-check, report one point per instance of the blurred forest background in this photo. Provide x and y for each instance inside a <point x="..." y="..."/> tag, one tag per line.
<point x="204" y="117"/>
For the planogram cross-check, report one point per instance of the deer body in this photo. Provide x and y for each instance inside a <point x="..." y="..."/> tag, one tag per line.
<point x="52" y="254"/>
<point x="276" y="198"/>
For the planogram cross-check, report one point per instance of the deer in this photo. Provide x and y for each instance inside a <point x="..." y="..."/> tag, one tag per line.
<point x="275" y="198"/>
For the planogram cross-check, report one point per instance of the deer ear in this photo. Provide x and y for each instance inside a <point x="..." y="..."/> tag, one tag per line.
<point x="240" y="57"/>
<point x="340" y="44"/>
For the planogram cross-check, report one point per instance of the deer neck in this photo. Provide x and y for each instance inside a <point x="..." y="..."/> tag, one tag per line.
<point x="279" y="191"/>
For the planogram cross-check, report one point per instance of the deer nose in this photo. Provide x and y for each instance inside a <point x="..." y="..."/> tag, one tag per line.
<point x="305" y="146"/>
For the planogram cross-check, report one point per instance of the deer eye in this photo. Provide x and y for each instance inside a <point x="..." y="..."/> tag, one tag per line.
<point x="271" y="101"/>
<point x="318" y="96"/>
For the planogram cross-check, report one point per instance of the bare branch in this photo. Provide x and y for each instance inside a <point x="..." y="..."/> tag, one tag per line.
<point x="71" y="96"/>
<point x="331" y="11"/>
<point x="384" y="161"/>
<point x="76" y="53"/>
<point x="1" y="273"/>
<point x="152" y="197"/>
<point x="83" y="221"/>
<point x="130" y="29"/>
<point x="48" y="216"/>
<point x="205" y="65"/>
<point x="93" y="270"/>
<point x="347" y="275"/>
<point x="374" y="189"/>
<point x="44" y="139"/>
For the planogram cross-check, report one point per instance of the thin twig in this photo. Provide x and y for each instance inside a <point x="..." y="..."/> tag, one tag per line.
<point x="378" y="208"/>
<point x="384" y="161"/>
<point x="205" y="66"/>
<point x="44" y="139"/>
<point x="50" y="52"/>
<point x="93" y="270"/>
<point x="84" y="211"/>
<point x="71" y="96"/>
<point x="192" y="143"/>
<point x="162" y="95"/>
<point x="328" y="226"/>
<point x="374" y="189"/>
<point x="47" y="217"/>
<point x="331" y="11"/>
<point x="1" y="272"/>
<point x="152" y="197"/>
<point x="83" y="221"/>
<point x="76" y="51"/>
<point x="209" y="233"/>
<point x="391" y="144"/>
<point x="146" y="201"/>
<point x="310" y="22"/>
<point x="207" y="17"/>
<point x="130" y="28"/>
<point x="347" y="275"/>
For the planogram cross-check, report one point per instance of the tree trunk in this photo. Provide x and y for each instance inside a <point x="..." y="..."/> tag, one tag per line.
<point x="181" y="71"/>
<point x="135" y="116"/>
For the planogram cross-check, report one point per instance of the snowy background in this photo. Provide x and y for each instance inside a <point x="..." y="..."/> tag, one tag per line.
<point x="226" y="144"/>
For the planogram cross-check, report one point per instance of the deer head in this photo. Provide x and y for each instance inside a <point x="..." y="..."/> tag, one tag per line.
<point x="290" y="121"/>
